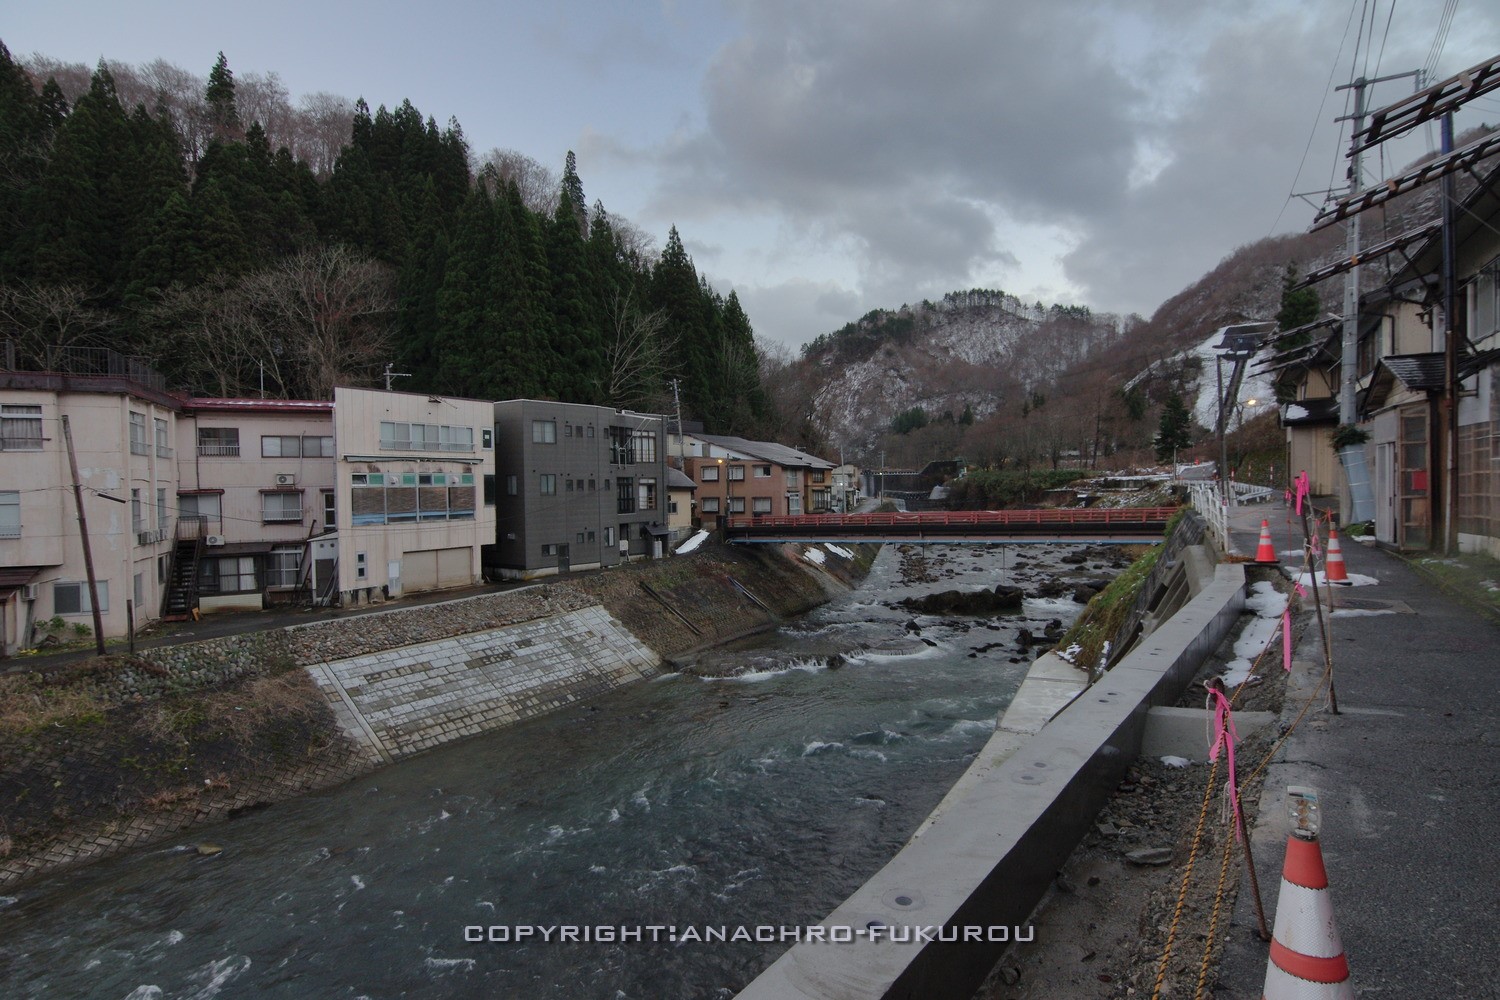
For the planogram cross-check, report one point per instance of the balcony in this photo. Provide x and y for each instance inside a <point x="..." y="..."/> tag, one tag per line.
<point x="219" y="449"/>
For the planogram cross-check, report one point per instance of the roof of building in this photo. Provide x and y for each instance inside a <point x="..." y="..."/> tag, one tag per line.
<point x="1417" y="371"/>
<point x="260" y="405"/>
<point x="1306" y="412"/>
<point x="780" y="454"/>
<point x="679" y="480"/>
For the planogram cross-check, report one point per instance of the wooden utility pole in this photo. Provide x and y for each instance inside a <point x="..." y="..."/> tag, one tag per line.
<point x="83" y="533"/>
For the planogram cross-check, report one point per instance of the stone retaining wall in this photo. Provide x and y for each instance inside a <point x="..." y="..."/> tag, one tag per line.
<point x="402" y="701"/>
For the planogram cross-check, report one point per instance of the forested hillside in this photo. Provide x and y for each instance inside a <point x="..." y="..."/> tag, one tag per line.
<point x="242" y="244"/>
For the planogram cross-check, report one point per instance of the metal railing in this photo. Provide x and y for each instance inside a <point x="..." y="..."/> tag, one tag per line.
<point x="1206" y="499"/>
<point x="82" y="361"/>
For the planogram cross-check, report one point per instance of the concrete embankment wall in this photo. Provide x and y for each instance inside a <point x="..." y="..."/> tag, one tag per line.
<point x="403" y="701"/>
<point x="987" y="854"/>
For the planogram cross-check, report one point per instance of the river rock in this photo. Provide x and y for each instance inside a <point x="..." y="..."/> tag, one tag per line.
<point x="1150" y="856"/>
<point x="968" y="602"/>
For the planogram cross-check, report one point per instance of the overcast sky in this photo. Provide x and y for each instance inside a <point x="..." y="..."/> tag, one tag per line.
<point x="826" y="157"/>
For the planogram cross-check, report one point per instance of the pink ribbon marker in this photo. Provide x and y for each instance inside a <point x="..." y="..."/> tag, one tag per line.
<point x="1286" y="639"/>
<point x="1303" y="489"/>
<point x="1225" y="736"/>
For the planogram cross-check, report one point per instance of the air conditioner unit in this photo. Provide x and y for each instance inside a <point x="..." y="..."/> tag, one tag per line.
<point x="286" y="479"/>
<point x="213" y="541"/>
<point x="28" y="592"/>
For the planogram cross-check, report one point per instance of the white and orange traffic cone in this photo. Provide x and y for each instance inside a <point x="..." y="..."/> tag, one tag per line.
<point x="1333" y="567"/>
<point x="1307" y="957"/>
<point x="1265" y="552"/>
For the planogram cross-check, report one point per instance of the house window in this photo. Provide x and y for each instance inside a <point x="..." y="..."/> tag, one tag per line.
<point x="549" y="550"/>
<point x="317" y="446"/>
<point x="161" y="511"/>
<point x="736" y="473"/>
<point x="20" y="428"/>
<point x="548" y="484"/>
<point x="198" y="507"/>
<point x="609" y="536"/>
<point x="397" y="435"/>
<point x="762" y="505"/>
<point x="736" y="505"/>
<point x="592" y="536"/>
<point x="567" y="430"/>
<point x="591" y="430"/>
<point x="644" y="445"/>
<point x="708" y="474"/>
<point x="73" y="598"/>
<point x="621" y="451"/>
<point x="710" y="505"/>
<point x="10" y="514"/>
<point x="487" y="438"/>
<point x="544" y="432"/>
<point x="671" y="506"/>
<point x="281" y="447"/>
<point x="625" y="498"/>
<point x="137" y="520"/>
<point x="140" y="589"/>
<point x="817" y="475"/>
<point x="512" y="485"/>
<point x="138" y="433"/>
<point x="762" y="472"/>
<point x="489" y="489"/>
<point x="593" y="485"/>
<point x="330" y="508"/>
<point x="361" y="566"/>
<point x="227" y="575"/>
<point x="219" y="441"/>
<point x="579" y="539"/>
<point x="163" y="445"/>
<point x="282" y="567"/>
<point x="646" y="494"/>
<point x="570" y="485"/>
<point x="280" y="507"/>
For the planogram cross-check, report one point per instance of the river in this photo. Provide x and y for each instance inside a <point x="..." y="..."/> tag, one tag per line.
<point x="761" y="799"/>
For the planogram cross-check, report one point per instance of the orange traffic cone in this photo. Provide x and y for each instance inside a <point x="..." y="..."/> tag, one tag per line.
<point x="1333" y="566"/>
<point x="1307" y="958"/>
<point x="1266" y="552"/>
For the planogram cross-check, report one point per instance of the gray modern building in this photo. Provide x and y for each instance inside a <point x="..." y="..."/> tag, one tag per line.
<point x="577" y="487"/>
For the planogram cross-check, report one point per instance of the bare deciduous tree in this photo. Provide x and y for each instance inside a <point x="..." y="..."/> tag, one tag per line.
<point x="640" y="355"/>
<point x="325" y="123"/>
<point x="41" y="317"/>
<point x="538" y="185"/>
<point x="332" y="309"/>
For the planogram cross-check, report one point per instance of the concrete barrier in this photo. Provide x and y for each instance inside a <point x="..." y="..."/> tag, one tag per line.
<point x="986" y="856"/>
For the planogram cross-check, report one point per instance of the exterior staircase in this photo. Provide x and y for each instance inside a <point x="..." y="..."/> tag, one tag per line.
<point x="181" y="597"/>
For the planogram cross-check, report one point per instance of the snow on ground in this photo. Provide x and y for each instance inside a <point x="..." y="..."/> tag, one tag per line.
<point x="691" y="544"/>
<point x="1360" y="612"/>
<point x="815" y="556"/>
<point x="1206" y="407"/>
<point x="838" y="550"/>
<point x="1268" y="603"/>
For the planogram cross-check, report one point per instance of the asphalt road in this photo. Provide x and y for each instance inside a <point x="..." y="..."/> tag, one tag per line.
<point x="1406" y="776"/>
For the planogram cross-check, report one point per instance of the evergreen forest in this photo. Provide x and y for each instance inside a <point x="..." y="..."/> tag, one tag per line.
<point x="237" y="267"/>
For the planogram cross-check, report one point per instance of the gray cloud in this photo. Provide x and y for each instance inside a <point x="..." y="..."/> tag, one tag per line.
<point x="1158" y="136"/>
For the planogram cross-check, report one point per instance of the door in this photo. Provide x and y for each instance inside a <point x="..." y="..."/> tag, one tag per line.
<point x="564" y="559"/>
<point x="1414" y="510"/>
<point x="1385" y="492"/>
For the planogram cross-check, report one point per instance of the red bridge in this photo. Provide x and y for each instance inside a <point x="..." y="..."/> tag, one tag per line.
<point x="1127" y="525"/>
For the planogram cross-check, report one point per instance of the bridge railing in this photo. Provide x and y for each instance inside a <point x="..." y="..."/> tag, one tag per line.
<point x="958" y="519"/>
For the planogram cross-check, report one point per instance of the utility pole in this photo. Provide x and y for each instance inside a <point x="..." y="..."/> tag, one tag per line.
<point x="389" y="375"/>
<point x="1349" y="357"/>
<point x="1451" y="334"/>
<point x="681" y="439"/>
<point x="83" y="532"/>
